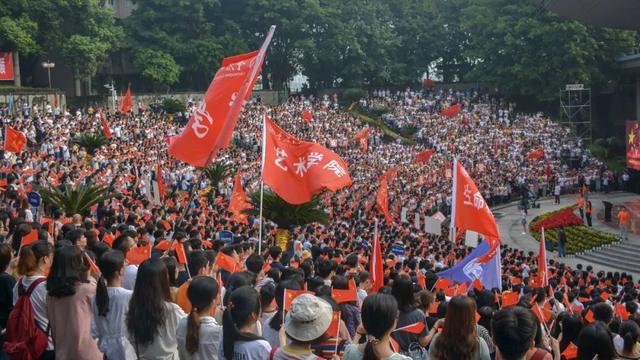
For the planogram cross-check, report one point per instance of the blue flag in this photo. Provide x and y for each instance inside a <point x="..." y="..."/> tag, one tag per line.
<point x="467" y="270"/>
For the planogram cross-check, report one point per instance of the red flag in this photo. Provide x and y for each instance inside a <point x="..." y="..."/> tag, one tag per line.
<point x="570" y="352"/>
<point x="14" y="140"/>
<point x="389" y="175"/>
<point x="363" y="138"/>
<point x="138" y="254"/>
<point x="433" y="308"/>
<point x="341" y="296"/>
<point x="126" y="104"/>
<point x="108" y="238"/>
<point x="375" y="264"/>
<point x="428" y="83"/>
<point x="415" y="328"/>
<point x="543" y="275"/>
<point x="180" y="253"/>
<point x="589" y="316"/>
<point x="160" y="181"/>
<point x="442" y="284"/>
<point x="423" y="157"/>
<point x="163" y="245"/>
<point x="307" y="115"/>
<point x="211" y="126"/>
<point x="226" y="262"/>
<point x="536" y="154"/>
<point x="296" y="169"/>
<point x="29" y="238"/>
<point x="239" y="201"/>
<point x="621" y="311"/>
<point x="544" y="315"/>
<point x="92" y="264"/>
<point x="47" y="223"/>
<point x="547" y="170"/>
<point x="105" y="125"/>
<point x="334" y="327"/>
<point x="451" y="111"/>
<point x="382" y="200"/>
<point x="471" y="211"/>
<point x="510" y="299"/>
<point x="290" y="295"/>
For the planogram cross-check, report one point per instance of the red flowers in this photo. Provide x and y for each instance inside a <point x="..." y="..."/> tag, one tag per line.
<point x="561" y="218"/>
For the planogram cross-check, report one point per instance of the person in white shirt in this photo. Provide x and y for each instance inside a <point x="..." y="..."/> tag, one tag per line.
<point x="199" y="334"/>
<point x="110" y="307"/>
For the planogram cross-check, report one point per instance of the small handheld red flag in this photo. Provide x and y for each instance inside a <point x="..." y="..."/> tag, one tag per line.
<point x="536" y="154"/>
<point x="14" y="140"/>
<point x="29" y="238"/>
<point x="363" y="138"/>
<point x="138" y="254"/>
<point x="342" y="296"/>
<point x="452" y="110"/>
<point x="290" y="295"/>
<point x="180" y="253"/>
<point x="415" y="328"/>
<point x="92" y="264"/>
<point x="424" y="157"/>
<point x="510" y="299"/>
<point x="307" y="115"/>
<point x="570" y="352"/>
<point x="226" y="262"/>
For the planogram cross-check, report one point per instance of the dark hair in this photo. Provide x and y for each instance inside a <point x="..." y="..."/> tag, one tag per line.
<point x="402" y="290"/>
<point x="5" y="256"/>
<point x="458" y="339"/>
<point x="110" y="264"/>
<point x="31" y="254"/>
<point x="513" y="328"/>
<point x="243" y="303"/>
<point x="571" y="326"/>
<point x="121" y="244"/>
<point x="147" y="309"/>
<point x="171" y="264"/>
<point x="595" y="339"/>
<point x="276" y="319"/>
<point x="67" y="270"/>
<point x="274" y="252"/>
<point x="267" y="294"/>
<point x="379" y="314"/>
<point x="486" y="314"/>
<point x="74" y="236"/>
<point x="235" y="281"/>
<point x="602" y="312"/>
<point x="197" y="261"/>
<point x="202" y="292"/>
<point x="629" y="331"/>
<point x="254" y="263"/>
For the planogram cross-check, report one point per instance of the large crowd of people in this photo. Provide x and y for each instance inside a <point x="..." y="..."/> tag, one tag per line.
<point x="88" y="299"/>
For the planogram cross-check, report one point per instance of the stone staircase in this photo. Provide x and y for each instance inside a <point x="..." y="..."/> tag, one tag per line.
<point x="624" y="256"/>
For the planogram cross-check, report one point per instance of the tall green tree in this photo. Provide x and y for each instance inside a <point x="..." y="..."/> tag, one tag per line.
<point x="525" y="51"/>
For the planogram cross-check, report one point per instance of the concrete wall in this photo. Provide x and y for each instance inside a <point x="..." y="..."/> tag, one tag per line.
<point x="38" y="97"/>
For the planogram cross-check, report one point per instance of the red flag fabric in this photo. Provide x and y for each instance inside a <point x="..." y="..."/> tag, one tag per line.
<point x="105" y="125"/>
<point x="239" y="201"/>
<point x="423" y="157"/>
<point x="163" y="245"/>
<point x="290" y="295"/>
<point x="29" y="238"/>
<point x="296" y="169"/>
<point x="428" y="83"/>
<point x="341" y="296"/>
<point x="47" y="223"/>
<point x="211" y="126"/>
<point x="160" y="181"/>
<point x="547" y="170"/>
<point x="536" y="154"/>
<point x="570" y="352"/>
<point x="415" y="328"/>
<point x="382" y="200"/>
<point x="451" y="111"/>
<point x="334" y="327"/>
<point x="543" y="274"/>
<point x="307" y="115"/>
<point x="138" y="254"/>
<point x="544" y="315"/>
<point x="442" y="284"/>
<point x="621" y="311"/>
<point x="363" y="138"/>
<point x="108" y="238"/>
<point x="180" y="253"/>
<point x="126" y="104"/>
<point x="226" y="262"/>
<point x="471" y="211"/>
<point x="510" y="299"/>
<point x="389" y="175"/>
<point x="14" y="140"/>
<point x="376" y="269"/>
<point x="589" y="316"/>
<point x="92" y="264"/>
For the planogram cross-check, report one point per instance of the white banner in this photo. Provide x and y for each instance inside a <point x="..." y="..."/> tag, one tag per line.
<point x="432" y="226"/>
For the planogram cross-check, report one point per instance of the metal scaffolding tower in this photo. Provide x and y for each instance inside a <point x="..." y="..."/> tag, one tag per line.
<point x="575" y="110"/>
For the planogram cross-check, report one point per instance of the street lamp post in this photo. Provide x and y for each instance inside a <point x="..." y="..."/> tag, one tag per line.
<point x="48" y="65"/>
<point x="112" y="87"/>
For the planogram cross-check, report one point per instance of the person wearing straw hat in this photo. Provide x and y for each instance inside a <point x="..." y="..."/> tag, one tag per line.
<point x="305" y="324"/>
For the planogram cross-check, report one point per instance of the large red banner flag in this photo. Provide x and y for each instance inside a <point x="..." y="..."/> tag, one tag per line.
<point x="423" y="157"/>
<point x="126" y="104"/>
<point x="382" y="200"/>
<point x="105" y="125"/>
<point x="296" y="169"/>
<point x="452" y="110"/>
<point x="239" y="201"/>
<point x="536" y="154"/>
<point x="375" y="263"/>
<point x="14" y="140"/>
<point x="6" y="66"/>
<point x="211" y="126"/>
<point x="362" y="137"/>
<point x="471" y="212"/>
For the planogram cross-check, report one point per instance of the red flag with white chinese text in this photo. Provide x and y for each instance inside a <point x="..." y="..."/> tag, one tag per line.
<point x="296" y="169"/>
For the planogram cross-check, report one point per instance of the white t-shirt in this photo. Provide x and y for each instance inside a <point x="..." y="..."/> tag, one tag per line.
<point x="247" y="350"/>
<point x="129" y="277"/>
<point x="209" y="337"/>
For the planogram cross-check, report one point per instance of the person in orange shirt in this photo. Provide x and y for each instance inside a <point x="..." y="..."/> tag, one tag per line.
<point x="623" y="222"/>
<point x="198" y="266"/>
<point x="581" y="206"/>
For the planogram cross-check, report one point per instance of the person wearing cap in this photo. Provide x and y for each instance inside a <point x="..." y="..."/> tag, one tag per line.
<point x="305" y="325"/>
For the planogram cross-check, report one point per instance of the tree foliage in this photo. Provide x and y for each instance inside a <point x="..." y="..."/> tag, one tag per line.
<point x="75" y="199"/>
<point x="286" y="215"/>
<point x="157" y="66"/>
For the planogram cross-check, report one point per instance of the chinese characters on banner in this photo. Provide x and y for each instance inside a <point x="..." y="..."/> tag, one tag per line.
<point x="296" y="169"/>
<point x="633" y="145"/>
<point x="6" y="66"/>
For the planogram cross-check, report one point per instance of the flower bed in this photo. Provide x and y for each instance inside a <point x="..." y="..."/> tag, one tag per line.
<point x="580" y="238"/>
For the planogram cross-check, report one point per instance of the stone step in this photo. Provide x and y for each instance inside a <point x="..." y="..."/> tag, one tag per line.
<point x="607" y="260"/>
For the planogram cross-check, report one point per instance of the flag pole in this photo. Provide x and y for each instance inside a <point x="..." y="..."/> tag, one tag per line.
<point x="264" y="154"/>
<point x="453" y="201"/>
<point x="260" y="218"/>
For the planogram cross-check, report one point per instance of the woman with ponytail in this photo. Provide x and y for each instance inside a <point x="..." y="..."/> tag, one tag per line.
<point x="239" y="318"/>
<point x="110" y="307"/>
<point x="33" y="265"/>
<point x="379" y="319"/>
<point x="199" y="334"/>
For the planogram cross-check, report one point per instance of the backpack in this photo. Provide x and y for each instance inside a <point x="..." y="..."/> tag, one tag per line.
<point x="24" y="340"/>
